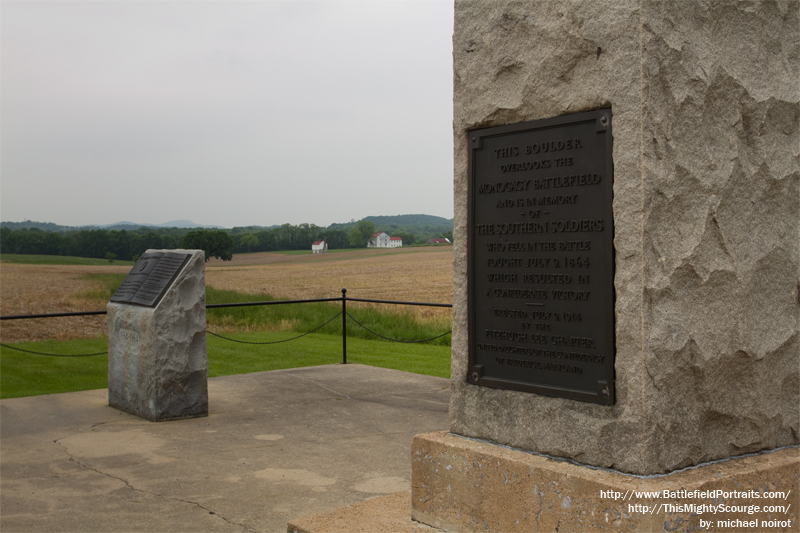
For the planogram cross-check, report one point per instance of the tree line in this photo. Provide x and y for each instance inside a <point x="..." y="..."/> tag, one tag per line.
<point x="128" y="245"/>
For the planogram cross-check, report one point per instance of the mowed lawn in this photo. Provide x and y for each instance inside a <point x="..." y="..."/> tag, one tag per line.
<point x="26" y="374"/>
<point x="422" y="274"/>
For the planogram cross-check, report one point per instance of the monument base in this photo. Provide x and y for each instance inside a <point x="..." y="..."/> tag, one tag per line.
<point x="461" y="484"/>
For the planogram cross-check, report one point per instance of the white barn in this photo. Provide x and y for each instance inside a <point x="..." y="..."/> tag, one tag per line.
<point x="382" y="240"/>
<point x="319" y="247"/>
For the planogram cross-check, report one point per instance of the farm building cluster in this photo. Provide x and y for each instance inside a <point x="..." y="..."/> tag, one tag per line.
<point x="376" y="240"/>
<point x="383" y="240"/>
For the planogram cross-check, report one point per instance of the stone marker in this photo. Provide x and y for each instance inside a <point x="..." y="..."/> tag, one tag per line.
<point x="703" y="220"/>
<point x="157" y="358"/>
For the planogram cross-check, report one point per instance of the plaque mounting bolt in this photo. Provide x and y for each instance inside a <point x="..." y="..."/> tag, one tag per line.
<point x="475" y="376"/>
<point x="604" y="120"/>
<point x="605" y="392"/>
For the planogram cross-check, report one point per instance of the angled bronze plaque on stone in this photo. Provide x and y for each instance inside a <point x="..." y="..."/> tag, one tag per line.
<point x="150" y="277"/>
<point x="541" y="257"/>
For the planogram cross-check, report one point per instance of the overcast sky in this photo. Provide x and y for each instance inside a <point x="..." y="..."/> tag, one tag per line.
<point x="225" y="112"/>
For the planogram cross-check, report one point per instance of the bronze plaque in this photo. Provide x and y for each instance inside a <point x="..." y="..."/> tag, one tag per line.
<point x="150" y="278"/>
<point x="541" y="257"/>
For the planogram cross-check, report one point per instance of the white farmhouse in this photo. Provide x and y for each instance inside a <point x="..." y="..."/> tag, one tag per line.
<point x="319" y="247"/>
<point x="382" y="240"/>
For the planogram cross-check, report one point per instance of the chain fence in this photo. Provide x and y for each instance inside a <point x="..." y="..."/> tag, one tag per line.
<point x="284" y="340"/>
<point x="343" y="313"/>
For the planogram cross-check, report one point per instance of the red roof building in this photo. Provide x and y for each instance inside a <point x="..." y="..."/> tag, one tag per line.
<point x="382" y="240"/>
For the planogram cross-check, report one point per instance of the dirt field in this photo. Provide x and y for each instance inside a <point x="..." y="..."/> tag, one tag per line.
<point x="415" y="274"/>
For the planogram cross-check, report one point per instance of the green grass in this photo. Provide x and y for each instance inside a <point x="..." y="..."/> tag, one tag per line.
<point x="59" y="260"/>
<point x="393" y="321"/>
<point x="26" y="374"/>
<point x="228" y="358"/>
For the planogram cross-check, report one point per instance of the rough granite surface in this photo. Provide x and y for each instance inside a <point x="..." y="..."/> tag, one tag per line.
<point x="704" y="97"/>
<point x="466" y="485"/>
<point x="157" y="357"/>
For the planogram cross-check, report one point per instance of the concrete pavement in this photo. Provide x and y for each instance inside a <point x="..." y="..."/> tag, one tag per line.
<point x="276" y="446"/>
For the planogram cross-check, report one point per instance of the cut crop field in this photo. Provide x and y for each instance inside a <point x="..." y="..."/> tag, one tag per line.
<point x="419" y="274"/>
<point x="35" y="289"/>
<point x="415" y="274"/>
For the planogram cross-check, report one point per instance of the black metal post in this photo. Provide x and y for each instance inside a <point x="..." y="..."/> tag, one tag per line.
<point x="344" y="326"/>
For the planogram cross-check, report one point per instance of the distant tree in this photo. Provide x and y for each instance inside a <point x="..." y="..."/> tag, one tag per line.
<point x="111" y="256"/>
<point x="266" y="241"/>
<point x="89" y="243"/>
<point x="356" y="240"/>
<point x="285" y="236"/>
<point x="336" y="238"/>
<point x="215" y="243"/>
<point x="408" y="238"/>
<point x="249" y="241"/>
<point x="306" y="235"/>
<point x="151" y="241"/>
<point x="5" y="240"/>
<point x="362" y="231"/>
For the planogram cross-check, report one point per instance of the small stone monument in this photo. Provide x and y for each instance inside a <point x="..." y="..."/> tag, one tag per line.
<point x="627" y="232"/>
<point x="157" y="358"/>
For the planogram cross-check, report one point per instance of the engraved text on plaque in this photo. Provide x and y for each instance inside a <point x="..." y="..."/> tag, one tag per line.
<point x="541" y="258"/>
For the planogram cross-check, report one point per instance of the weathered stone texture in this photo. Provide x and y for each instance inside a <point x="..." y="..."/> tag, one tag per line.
<point x="464" y="485"/>
<point x="157" y="357"/>
<point x="704" y="97"/>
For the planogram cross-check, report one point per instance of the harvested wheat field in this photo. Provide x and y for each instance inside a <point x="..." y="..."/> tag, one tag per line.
<point x="422" y="275"/>
<point x="415" y="274"/>
<point x="34" y="289"/>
